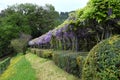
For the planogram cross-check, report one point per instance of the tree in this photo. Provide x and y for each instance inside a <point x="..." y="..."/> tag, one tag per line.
<point x="25" y="18"/>
<point x="43" y="20"/>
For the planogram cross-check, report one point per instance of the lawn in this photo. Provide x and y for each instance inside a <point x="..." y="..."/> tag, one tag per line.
<point x="47" y="70"/>
<point x="19" y="69"/>
<point x="32" y="67"/>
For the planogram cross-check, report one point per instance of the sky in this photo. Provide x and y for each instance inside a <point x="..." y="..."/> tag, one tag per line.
<point x="60" y="5"/>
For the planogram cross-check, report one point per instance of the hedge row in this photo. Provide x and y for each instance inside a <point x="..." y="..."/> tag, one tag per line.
<point x="44" y="53"/>
<point x="102" y="62"/>
<point x="4" y="64"/>
<point x="80" y="62"/>
<point x="71" y="62"/>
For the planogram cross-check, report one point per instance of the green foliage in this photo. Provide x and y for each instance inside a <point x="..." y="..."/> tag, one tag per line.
<point x="19" y="69"/>
<point x="63" y="16"/>
<point x="19" y="45"/>
<point x="44" y="53"/>
<point x="99" y="10"/>
<point x="97" y="21"/>
<point x="25" y="18"/>
<point x="4" y="64"/>
<point x="103" y="61"/>
<point x="80" y="62"/>
<point x="7" y="33"/>
<point x="67" y="61"/>
<point x="33" y="17"/>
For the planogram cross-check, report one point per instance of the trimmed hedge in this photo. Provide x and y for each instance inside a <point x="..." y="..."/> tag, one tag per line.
<point x="103" y="61"/>
<point x="71" y="62"/>
<point x="80" y="62"/>
<point x="4" y="64"/>
<point x="67" y="61"/>
<point x="44" y="53"/>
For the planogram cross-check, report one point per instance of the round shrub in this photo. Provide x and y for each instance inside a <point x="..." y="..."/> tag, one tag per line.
<point x="103" y="61"/>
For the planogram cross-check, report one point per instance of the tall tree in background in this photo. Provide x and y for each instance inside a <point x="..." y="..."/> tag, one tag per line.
<point x="63" y="16"/>
<point x="25" y="18"/>
<point x="43" y="19"/>
<point x="33" y="18"/>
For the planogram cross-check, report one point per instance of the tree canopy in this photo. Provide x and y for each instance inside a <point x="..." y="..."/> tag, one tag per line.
<point x="25" y="18"/>
<point x="99" y="20"/>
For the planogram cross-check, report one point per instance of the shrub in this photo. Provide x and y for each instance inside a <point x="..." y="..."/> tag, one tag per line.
<point x="4" y="64"/>
<point x="67" y="61"/>
<point x="80" y="62"/>
<point x="32" y="50"/>
<point x="19" y="45"/>
<point x="44" y="53"/>
<point x="103" y="61"/>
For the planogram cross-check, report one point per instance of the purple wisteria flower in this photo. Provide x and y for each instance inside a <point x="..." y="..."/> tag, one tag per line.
<point x="109" y="11"/>
<point x="47" y="37"/>
<point x="30" y="43"/>
<point x="65" y="34"/>
<point x="68" y="34"/>
<point x="71" y="34"/>
<point x="58" y="33"/>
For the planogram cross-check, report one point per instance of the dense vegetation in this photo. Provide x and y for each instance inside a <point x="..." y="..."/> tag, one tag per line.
<point x="84" y="28"/>
<point x="20" y="19"/>
<point x="103" y="61"/>
<point x="69" y="61"/>
<point x="63" y="16"/>
<point x="4" y="64"/>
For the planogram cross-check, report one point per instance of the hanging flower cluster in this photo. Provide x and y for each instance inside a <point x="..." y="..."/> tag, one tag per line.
<point x="63" y="31"/>
<point x="42" y="39"/>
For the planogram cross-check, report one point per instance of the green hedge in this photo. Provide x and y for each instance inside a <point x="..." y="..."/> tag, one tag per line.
<point x="67" y="61"/>
<point x="4" y="64"/>
<point x="44" y="53"/>
<point x="103" y="61"/>
<point x="80" y="62"/>
<point x="1" y="54"/>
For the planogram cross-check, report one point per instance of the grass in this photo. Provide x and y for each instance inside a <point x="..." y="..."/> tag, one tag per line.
<point x="19" y="69"/>
<point x="32" y="67"/>
<point x="47" y="70"/>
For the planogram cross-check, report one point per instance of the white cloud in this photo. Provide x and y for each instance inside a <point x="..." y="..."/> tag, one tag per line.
<point x="60" y="5"/>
